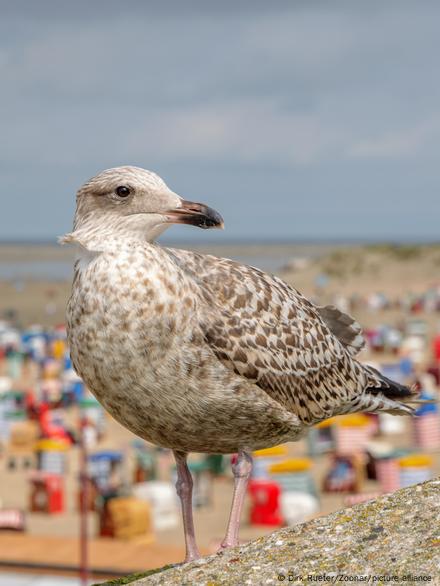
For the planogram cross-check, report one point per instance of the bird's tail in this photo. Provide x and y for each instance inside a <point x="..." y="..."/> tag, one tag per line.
<point x="392" y="397"/>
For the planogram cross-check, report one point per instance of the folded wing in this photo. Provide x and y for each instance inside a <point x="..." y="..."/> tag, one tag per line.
<point x="271" y="335"/>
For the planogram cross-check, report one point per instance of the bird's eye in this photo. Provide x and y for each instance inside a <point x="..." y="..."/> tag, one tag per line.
<point x="122" y="191"/>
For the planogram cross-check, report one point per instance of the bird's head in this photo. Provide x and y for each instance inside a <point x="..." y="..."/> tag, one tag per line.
<point x="132" y="203"/>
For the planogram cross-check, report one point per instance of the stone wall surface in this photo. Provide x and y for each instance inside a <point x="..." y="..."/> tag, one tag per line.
<point x="394" y="539"/>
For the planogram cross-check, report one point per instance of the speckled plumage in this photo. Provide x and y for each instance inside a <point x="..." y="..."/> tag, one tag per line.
<point x="137" y="339"/>
<point x="197" y="353"/>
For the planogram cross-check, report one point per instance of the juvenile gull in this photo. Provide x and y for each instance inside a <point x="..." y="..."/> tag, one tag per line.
<point x="197" y="353"/>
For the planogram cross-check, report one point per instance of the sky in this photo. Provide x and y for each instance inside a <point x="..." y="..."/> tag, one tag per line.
<point x="294" y="119"/>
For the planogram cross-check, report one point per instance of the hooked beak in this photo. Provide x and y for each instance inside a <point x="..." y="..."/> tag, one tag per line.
<point x="196" y="214"/>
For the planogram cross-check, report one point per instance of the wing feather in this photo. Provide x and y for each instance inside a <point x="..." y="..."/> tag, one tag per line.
<point x="270" y="334"/>
<point x="344" y="327"/>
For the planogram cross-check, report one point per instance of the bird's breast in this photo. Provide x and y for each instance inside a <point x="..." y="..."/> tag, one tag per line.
<point x="126" y="314"/>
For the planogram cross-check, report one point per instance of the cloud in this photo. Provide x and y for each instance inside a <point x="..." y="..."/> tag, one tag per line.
<point x="248" y="130"/>
<point x="298" y="97"/>
<point x="403" y="143"/>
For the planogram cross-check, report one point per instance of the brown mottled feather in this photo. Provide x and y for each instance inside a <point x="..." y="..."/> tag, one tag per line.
<point x="272" y="335"/>
<point x="344" y="327"/>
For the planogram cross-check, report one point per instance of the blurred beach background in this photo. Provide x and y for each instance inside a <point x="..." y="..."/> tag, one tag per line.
<point x="315" y="131"/>
<point x="392" y="289"/>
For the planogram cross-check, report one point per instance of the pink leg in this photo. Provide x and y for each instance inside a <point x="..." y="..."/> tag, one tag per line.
<point x="184" y="487"/>
<point x="242" y="471"/>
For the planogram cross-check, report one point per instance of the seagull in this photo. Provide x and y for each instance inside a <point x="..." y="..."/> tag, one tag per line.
<point x="202" y="354"/>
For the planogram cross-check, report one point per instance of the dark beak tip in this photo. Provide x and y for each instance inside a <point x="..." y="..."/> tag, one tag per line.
<point x="197" y="214"/>
<point x="212" y="219"/>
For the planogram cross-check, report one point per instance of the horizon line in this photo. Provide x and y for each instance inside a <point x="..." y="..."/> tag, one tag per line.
<point x="44" y="241"/>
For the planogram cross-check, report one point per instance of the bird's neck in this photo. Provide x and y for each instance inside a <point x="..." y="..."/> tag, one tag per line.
<point x="110" y="231"/>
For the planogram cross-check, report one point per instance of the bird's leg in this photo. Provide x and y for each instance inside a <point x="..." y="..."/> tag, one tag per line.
<point x="242" y="470"/>
<point x="184" y="487"/>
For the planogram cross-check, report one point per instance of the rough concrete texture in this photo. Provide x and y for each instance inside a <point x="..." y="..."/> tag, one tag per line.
<point x="394" y="539"/>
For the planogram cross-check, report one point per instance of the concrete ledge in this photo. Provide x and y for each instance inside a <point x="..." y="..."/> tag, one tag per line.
<point x="394" y="539"/>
